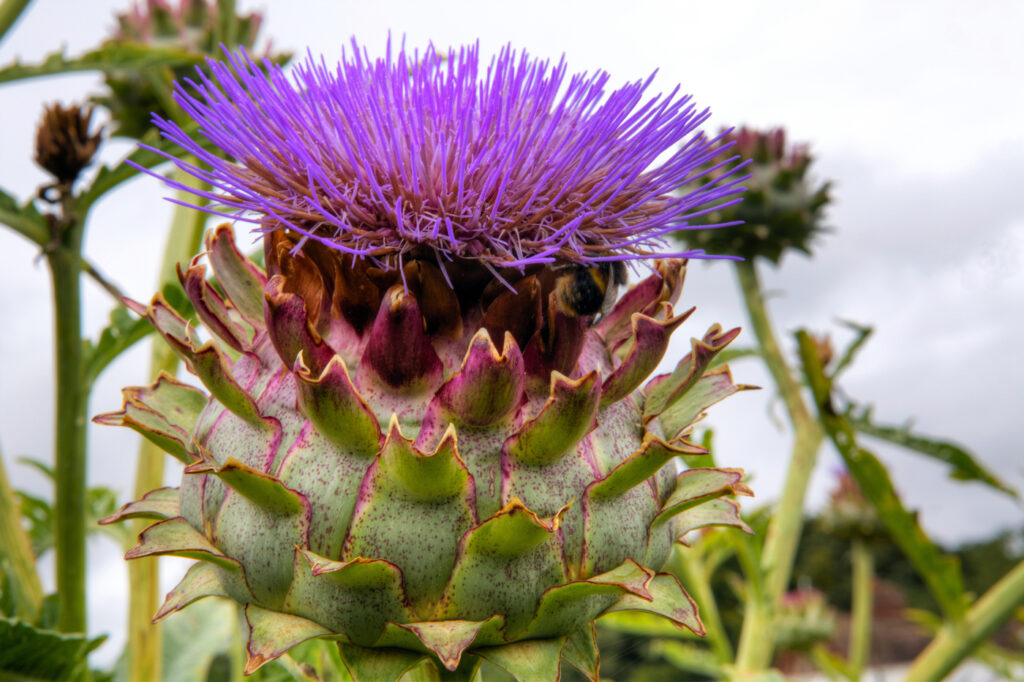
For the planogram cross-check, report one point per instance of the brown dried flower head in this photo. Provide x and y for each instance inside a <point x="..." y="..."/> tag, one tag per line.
<point x="64" y="145"/>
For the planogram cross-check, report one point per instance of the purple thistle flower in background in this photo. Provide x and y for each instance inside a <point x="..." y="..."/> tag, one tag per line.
<point x="510" y="163"/>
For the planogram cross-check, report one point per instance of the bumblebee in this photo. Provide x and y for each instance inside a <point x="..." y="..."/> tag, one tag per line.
<point x="585" y="290"/>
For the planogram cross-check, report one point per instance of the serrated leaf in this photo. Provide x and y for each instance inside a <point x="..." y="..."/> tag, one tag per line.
<point x="124" y="331"/>
<point x="28" y="653"/>
<point x="23" y="219"/>
<point x="110" y="57"/>
<point x="963" y="466"/>
<point x="99" y="503"/>
<point x="940" y="572"/>
<point x="862" y="333"/>
<point x="39" y="515"/>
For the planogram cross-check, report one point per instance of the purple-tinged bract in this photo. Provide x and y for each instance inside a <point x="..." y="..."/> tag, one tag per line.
<point x="511" y="162"/>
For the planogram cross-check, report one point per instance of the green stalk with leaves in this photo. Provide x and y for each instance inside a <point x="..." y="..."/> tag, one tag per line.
<point x="863" y="601"/>
<point x="755" y="650"/>
<point x="64" y="147"/>
<point x="964" y="629"/>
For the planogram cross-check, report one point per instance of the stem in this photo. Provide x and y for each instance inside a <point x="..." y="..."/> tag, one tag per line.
<point x="237" y="651"/>
<point x="144" y="642"/>
<point x="783" y="534"/>
<point x="955" y="642"/>
<point x="863" y="605"/>
<point x="10" y="10"/>
<point x="72" y="401"/>
<point x="100" y="279"/>
<point x="16" y="548"/>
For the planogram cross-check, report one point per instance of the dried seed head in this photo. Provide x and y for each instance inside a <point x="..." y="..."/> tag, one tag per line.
<point x="64" y="145"/>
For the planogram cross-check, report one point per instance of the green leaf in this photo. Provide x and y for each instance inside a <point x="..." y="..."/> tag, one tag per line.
<point x="176" y="297"/>
<point x="28" y="653"/>
<point x="10" y="10"/>
<point x="940" y="572"/>
<point x="123" y="332"/>
<point x="109" y="57"/>
<point x="100" y="502"/>
<point x="24" y="219"/>
<point x="8" y="607"/>
<point x="963" y="466"/>
<point x="862" y="333"/>
<point x="689" y="657"/>
<point x="39" y="515"/>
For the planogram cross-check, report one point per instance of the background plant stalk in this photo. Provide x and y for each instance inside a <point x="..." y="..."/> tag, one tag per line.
<point x="955" y="641"/>
<point x="65" y="262"/>
<point x="783" y="534"/>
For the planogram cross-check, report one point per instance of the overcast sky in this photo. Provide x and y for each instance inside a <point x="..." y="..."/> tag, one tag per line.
<point x="913" y="110"/>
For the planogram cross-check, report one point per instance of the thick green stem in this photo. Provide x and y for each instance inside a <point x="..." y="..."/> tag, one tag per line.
<point x="144" y="643"/>
<point x="863" y="606"/>
<point x="72" y="402"/>
<point x="17" y="550"/>
<point x="10" y="10"/>
<point x="956" y="641"/>
<point x="783" y="534"/>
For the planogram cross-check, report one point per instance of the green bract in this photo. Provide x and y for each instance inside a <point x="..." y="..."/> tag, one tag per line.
<point x="426" y="473"/>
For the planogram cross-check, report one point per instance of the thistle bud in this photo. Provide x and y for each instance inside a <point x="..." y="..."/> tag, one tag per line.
<point x="191" y="27"/>
<point x="782" y="209"/>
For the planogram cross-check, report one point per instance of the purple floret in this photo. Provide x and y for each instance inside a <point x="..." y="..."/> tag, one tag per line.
<point x="511" y="163"/>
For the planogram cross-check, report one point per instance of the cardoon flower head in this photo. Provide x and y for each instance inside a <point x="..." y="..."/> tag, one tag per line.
<point x="510" y="163"/>
<point x="414" y="441"/>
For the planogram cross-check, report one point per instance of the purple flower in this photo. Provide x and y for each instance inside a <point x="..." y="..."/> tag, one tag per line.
<point x="510" y="163"/>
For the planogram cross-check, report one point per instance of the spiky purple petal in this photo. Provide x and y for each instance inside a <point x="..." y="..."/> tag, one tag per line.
<point x="512" y="162"/>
